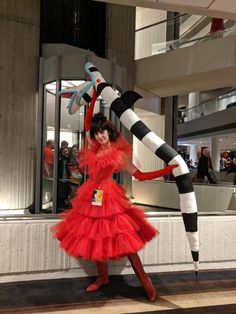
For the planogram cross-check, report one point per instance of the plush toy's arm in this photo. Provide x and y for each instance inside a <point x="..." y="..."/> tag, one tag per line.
<point x="142" y="176"/>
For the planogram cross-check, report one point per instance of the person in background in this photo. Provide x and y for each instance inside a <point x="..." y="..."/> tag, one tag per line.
<point x="75" y="172"/>
<point x="233" y="167"/>
<point x="74" y="154"/>
<point x="74" y="163"/>
<point x="204" y="165"/>
<point x="48" y="159"/>
<point x="63" y="177"/>
<point x="63" y="171"/>
<point x="64" y="144"/>
<point x="225" y="161"/>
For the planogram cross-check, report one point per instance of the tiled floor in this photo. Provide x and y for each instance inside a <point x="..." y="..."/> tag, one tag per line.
<point x="175" y="303"/>
<point x="179" y="293"/>
<point x="180" y="301"/>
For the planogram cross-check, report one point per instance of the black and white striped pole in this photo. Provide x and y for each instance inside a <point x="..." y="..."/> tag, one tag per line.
<point x="121" y="107"/>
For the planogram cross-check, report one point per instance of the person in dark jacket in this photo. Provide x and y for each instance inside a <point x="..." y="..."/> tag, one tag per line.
<point x="204" y="165"/>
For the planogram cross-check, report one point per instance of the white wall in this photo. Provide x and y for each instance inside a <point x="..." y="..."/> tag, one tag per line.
<point x="28" y="250"/>
<point x="19" y="31"/>
<point x="145" y="39"/>
<point x="210" y="198"/>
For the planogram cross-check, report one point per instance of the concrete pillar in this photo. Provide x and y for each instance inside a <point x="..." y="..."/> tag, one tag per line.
<point x="120" y="41"/>
<point x="193" y="99"/>
<point x="171" y="107"/>
<point x="193" y="153"/>
<point x="171" y="103"/>
<point x="19" y="63"/>
<point x="173" y="26"/>
<point x="120" y="38"/>
<point x="215" y="153"/>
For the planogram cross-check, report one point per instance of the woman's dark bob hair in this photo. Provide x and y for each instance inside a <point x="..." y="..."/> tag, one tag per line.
<point x="99" y="123"/>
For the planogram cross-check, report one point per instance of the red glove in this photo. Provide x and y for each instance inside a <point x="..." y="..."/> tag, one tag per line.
<point x="141" y="176"/>
<point x="89" y="113"/>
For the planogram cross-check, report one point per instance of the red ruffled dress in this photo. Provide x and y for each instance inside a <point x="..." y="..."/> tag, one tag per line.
<point x="112" y="230"/>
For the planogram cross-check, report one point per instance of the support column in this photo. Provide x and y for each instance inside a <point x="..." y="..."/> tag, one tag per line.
<point x="193" y="153"/>
<point x="19" y="66"/>
<point x="193" y="99"/>
<point x="120" y="47"/>
<point x="215" y="153"/>
<point x="171" y="107"/>
<point x="171" y="103"/>
<point x="120" y="42"/>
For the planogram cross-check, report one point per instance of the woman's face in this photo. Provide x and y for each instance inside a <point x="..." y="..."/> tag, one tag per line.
<point x="65" y="152"/>
<point x="75" y="152"/>
<point x="102" y="137"/>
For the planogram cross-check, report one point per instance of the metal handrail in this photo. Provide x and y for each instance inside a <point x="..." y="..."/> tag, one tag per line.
<point x="161" y="22"/>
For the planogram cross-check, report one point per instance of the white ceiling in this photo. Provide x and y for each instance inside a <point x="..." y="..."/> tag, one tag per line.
<point x="214" y="8"/>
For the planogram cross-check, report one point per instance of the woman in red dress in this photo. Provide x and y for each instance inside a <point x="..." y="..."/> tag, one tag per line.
<point x="103" y="224"/>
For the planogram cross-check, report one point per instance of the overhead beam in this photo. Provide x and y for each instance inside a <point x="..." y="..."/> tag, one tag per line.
<point x="223" y="9"/>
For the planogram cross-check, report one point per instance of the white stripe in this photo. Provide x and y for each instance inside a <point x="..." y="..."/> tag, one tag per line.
<point x="152" y="141"/>
<point x="129" y="118"/>
<point x="109" y="95"/>
<point x="193" y="241"/>
<point x="181" y="169"/>
<point x="196" y="265"/>
<point x="188" y="203"/>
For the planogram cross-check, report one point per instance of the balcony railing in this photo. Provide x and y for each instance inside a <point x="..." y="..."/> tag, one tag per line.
<point x="218" y="104"/>
<point x="183" y="43"/>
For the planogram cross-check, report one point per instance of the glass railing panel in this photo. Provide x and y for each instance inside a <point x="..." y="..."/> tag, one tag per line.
<point x="215" y="105"/>
<point x="163" y="47"/>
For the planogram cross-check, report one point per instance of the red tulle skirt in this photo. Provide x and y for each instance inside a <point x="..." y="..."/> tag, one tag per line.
<point x="98" y="233"/>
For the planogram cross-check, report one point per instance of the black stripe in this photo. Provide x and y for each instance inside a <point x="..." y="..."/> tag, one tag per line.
<point x="101" y="87"/>
<point x="184" y="183"/>
<point x="93" y="69"/>
<point x="139" y="129"/>
<point x="87" y="98"/>
<point x="166" y="152"/>
<point x="190" y="222"/>
<point x="195" y="256"/>
<point x="118" y="106"/>
<point x="130" y="98"/>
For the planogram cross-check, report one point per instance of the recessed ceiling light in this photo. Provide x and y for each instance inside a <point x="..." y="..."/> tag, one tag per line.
<point x="220" y="139"/>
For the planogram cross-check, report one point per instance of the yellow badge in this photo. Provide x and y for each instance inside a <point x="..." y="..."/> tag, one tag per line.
<point x="97" y="197"/>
